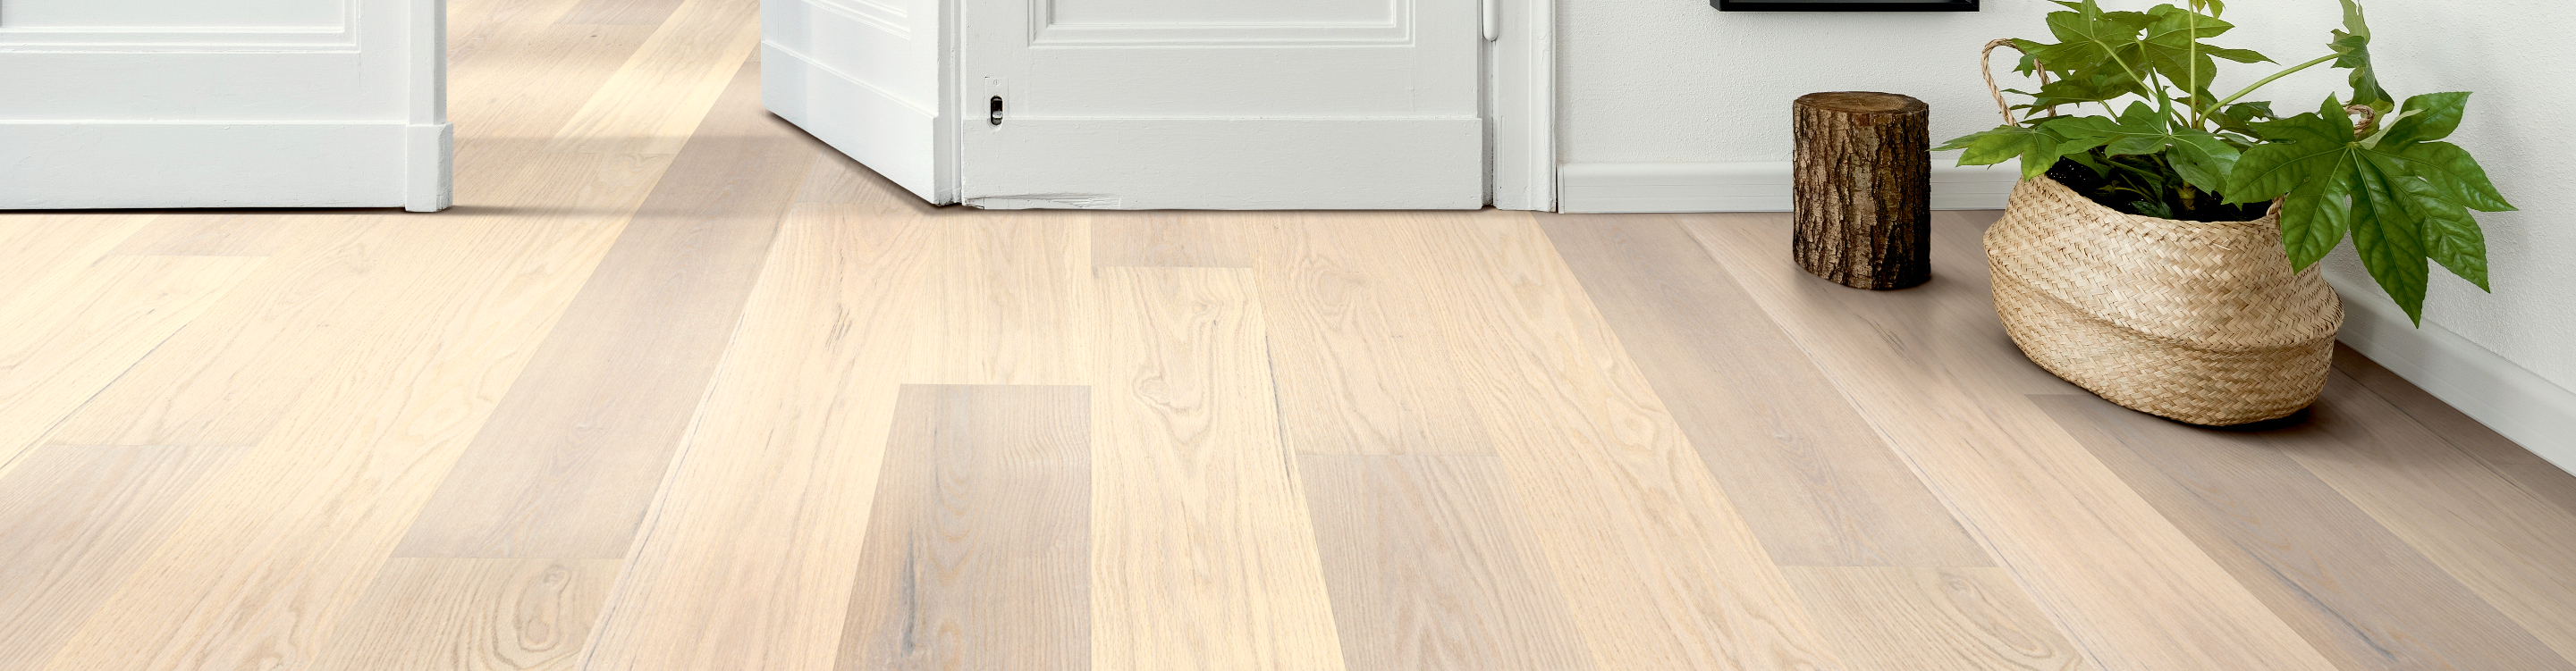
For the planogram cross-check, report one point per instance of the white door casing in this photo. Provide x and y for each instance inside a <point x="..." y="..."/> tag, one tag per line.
<point x="1221" y="104"/>
<point x="223" y="103"/>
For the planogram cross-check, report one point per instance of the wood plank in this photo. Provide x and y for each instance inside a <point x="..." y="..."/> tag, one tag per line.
<point x="2355" y="591"/>
<point x="658" y="97"/>
<point x="2452" y="425"/>
<point x="1431" y="567"/>
<point x="226" y="377"/>
<point x="1175" y="239"/>
<point x="74" y="522"/>
<point x="1660" y="570"/>
<point x="68" y="340"/>
<point x="230" y="376"/>
<point x="570" y="459"/>
<point x="1353" y="341"/>
<point x="1011" y="297"/>
<point x="837" y="178"/>
<point x="1202" y="553"/>
<point x="978" y="549"/>
<point x="231" y="233"/>
<point x="784" y="458"/>
<point x="1932" y="619"/>
<point x="530" y="79"/>
<point x="2512" y="548"/>
<point x="1818" y="485"/>
<point x="44" y="250"/>
<point x="478" y="614"/>
<point x="620" y="12"/>
<point x="2544" y="481"/>
<point x="292" y="537"/>
<point x="1932" y="369"/>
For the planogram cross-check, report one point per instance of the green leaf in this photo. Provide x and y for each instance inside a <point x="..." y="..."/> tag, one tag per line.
<point x="2451" y="235"/>
<point x="2352" y="47"/>
<point x="2315" y="216"/>
<point x="2405" y="201"/>
<point x="2391" y="241"/>
<point x="2431" y="116"/>
<point x="2202" y="159"/>
<point x="2454" y="173"/>
<point x="2037" y="149"/>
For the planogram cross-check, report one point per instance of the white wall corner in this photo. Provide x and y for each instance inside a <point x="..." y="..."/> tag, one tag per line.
<point x="1747" y="186"/>
<point x="2514" y="401"/>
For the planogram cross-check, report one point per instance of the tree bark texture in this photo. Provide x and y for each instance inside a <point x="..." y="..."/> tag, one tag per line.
<point x="1863" y="188"/>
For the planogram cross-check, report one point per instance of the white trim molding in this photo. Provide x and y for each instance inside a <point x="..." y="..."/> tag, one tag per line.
<point x="1520" y="70"/>
<point x="2514" y="401"/>
<point x="1747" y="186"/>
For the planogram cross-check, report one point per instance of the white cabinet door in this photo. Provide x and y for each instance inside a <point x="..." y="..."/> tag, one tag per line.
<point x="1220" y="104"/>
<point x="865" y="76"/>
<point x="223" y="103"/>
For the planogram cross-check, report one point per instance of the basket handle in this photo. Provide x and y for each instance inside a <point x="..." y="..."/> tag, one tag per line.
<point x="1984" y="67"/>
<point x="2361" y="129"/>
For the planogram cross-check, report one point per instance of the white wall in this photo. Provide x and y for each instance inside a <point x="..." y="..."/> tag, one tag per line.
<point x="1647" y="81"/>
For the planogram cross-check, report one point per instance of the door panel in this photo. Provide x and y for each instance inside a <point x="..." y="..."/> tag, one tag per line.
<point x="867" y="77"/>
<point x="1223" y="104"/>
<point x="223" y="103"/>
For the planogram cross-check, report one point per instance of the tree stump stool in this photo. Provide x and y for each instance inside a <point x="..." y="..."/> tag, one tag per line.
<point x="1863" y="187"/>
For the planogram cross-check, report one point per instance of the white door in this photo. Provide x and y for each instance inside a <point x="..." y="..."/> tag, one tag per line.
<point x="223" y="103"/>
<point x="867" y="77"/>
<point x="1221" y="104"/>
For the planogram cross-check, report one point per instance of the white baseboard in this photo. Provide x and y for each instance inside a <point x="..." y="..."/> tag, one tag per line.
<point x="83" y="164"/>
<point x="2515" y="402"/>
<point x="1746" y="187"/>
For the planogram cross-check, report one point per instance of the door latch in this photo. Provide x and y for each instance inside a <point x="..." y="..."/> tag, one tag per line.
<point x="997" y="110"/>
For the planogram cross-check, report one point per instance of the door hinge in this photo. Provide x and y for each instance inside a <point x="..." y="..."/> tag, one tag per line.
<point x="997" y="110"/>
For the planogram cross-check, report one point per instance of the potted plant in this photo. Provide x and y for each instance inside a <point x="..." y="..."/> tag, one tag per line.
<point x="2162" y="254"/>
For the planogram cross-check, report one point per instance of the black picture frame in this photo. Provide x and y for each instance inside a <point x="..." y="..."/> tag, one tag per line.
<point x="1844" y="5"/>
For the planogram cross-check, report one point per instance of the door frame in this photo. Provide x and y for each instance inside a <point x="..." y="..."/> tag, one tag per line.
<point x="1519" y="70"/>
<point x="1520" y="98"/>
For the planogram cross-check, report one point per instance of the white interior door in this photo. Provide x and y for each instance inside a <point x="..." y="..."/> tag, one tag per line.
<point x="223" y="103"/>
<point x="1221" y="104"/>
<point x="867" y="77"/>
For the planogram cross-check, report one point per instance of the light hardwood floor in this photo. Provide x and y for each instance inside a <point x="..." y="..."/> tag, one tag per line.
<point x="677" y="387"/>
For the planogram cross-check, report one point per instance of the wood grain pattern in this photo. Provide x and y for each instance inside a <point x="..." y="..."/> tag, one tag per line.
<point x="1173" y="239"/>
<point x="526" y="83"/>
<point x="572" y="456"/>
<point x="836" y="178"/>
<point x="1353" y="340"/>
<point x="69" y="340"/>
<point x="472" y="615"/>
<point x="226" y="377"/>
<point x="620" y="12"/>
<point x="1932" y="619"/>
<point x="978" y="551"/>
<point x="42" y="249"/>
<point x="1659" y="569"/>
<point x="2355" y="591"/>
<point x="1202" y="553"/>
<point x="2453" y="426"/>
<point x="1009" y="300"/>
<point x="2507" y="545"/>
<point x="784" y="457"/>
<point x="230" y="233"/>
<point x="2544" y="481"/>
<point x="1938" y="377"/>
<point x="655" y="100"/>
<point x="75" y="520"/>
<point x="1431" y="567"/>
<point x="293" y="535"/>
<point x="1817" y="485"/>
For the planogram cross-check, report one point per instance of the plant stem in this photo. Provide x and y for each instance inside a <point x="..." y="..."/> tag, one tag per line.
<point x="2276" y="75"/>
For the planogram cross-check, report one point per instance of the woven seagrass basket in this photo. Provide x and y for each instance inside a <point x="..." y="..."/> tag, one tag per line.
<point x="2202" y="322"/>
